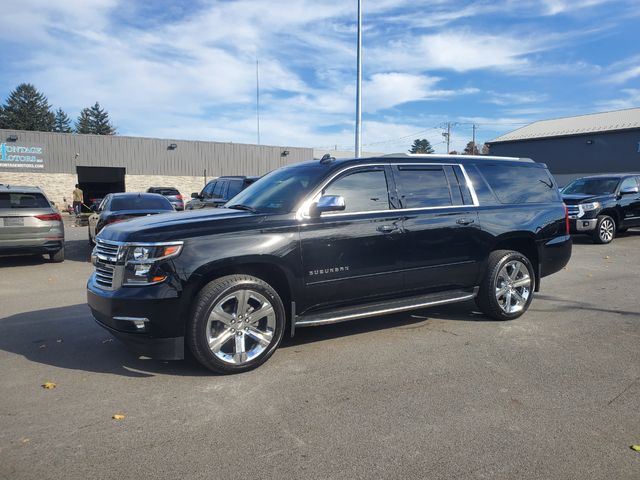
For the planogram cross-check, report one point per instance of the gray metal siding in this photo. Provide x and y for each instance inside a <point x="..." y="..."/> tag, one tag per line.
<point x="150" y="156"/>
<point x="570" y="157"/>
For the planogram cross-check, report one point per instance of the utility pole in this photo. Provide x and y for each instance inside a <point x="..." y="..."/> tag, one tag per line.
<point x="473" y="142"/>
<point x="258" y="100"/>
<point x="447" y="135"/>
<point x="359" y="85"/>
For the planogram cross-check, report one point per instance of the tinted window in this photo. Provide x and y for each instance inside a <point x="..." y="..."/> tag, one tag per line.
<point x="363" y="191"/>
<point x="234" y="188"/>
<point x="166" y="191"/>
<point x="592" y="186"/>
<point x="454" y="188"/>
<point x="628" y="183"/>
<point x="483" y="192"/>
<point x="423" y="187"/>
<point x="515" y="184"/>
<point x="140" y="202"/>
<point x="207" y="191"/>
<point x="23" y="200"/>
<point x="218" y="191"/>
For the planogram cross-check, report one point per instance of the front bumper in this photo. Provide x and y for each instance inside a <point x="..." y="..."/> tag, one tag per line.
<point x="147" y="319"/>
<point x="582" y="225"/>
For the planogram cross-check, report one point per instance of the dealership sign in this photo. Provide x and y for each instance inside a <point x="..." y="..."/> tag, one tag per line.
<point x="21" y="156"/>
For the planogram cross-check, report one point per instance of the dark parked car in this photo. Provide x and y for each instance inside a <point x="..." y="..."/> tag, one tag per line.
<point x="29" y="223"/>
<point x="329" y="241"/>
<point x="172" y="194"/>
<point x="603" y="205"/>
<point x="219" y="191"/>
<point x="118" y="207"/>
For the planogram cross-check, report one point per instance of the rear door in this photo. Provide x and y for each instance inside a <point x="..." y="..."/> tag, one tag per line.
<point x="354" y="254"/>
<point x="443" y="246"/>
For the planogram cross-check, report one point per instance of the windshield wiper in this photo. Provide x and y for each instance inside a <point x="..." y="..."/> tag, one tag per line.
<point x="243" y="207"/>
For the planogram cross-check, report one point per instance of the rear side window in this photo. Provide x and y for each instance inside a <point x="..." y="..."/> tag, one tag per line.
<point x="23" y="200"/>
<point x="421" y="187"/>
<point x="515" y="184"/>
<point x="363" y="191"/>
<point x="140" y="202"/>
<point x="219" y="189"/>
<point x="235" y="186"/>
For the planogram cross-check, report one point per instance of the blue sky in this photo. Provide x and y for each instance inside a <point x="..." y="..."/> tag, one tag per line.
<point x="187" y="69"/>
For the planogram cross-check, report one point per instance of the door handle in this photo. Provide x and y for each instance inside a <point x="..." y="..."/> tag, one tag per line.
<point x="465" y="221"/>
<point x="387" y="228"/>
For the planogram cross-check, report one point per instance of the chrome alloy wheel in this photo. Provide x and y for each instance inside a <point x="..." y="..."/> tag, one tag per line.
<point x="240" y="326"/>
<point x="606" y="230"/>
<point x="513" y="286"/>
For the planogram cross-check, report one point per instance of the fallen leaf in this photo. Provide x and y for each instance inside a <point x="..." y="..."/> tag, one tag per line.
<point x="49" y="385"/>
<point x="25" y="440"/>
<point x="118" y="416"/>
<point x="635" y="447"/>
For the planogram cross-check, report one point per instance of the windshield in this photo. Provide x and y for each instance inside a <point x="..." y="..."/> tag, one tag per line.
<point x="592" y="186"/>
<point x="279" y="191"/>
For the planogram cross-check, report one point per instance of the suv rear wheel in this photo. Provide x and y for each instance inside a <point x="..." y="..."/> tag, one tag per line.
<point x="506" y="290"/>
<point x="58" y="256"/>
<point x="236" y="324"/>
<point x="605" y="230"/>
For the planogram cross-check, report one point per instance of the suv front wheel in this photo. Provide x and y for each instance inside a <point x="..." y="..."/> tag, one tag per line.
<point x="236" y="324"/>
<point x="506" y="290"/>
<point x="605" y="230"/>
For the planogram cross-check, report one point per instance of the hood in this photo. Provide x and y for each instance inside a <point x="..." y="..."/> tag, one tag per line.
<point x="171" y="226"/>
<point x="575" y="198"/>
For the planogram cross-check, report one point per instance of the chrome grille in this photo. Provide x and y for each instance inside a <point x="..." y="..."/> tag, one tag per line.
<point x="573" y="210"/>
<point x="106" y="251"/>
<point x="104" y="275"/>
<point x="105" y="258"/>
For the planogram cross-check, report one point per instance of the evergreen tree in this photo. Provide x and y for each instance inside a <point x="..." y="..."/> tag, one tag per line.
<point x="83" y="124"/>
<point x="62" y="122"/>
<point x="471" y="149"/>
<point x="27" y="109"/>
<point x="3" y="122"/>
<point x="485" y="149"/>
<point x="95" y="120"/>
<point x="421" y="146"/>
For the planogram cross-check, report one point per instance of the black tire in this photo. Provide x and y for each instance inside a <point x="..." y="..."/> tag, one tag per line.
<point x="486" y="298"/>
<point x="214" y="292"/>
<point x="605" y="230"/>
<point x="57" y="257"/>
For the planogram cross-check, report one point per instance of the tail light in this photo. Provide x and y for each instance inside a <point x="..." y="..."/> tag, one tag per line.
<point x="179" y="197"/>
<point x="49" y="217"/>
<point x="566" y="219"/>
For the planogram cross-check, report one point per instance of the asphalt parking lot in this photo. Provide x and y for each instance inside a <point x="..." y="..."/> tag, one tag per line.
<point x="440" y="394"/>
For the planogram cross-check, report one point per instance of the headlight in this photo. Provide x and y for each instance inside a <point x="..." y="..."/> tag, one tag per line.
<point x="587" y="207"/>
<point x="143" y="262"/>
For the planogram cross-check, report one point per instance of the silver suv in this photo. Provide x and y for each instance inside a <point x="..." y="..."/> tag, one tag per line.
<point x="29" y="223"/>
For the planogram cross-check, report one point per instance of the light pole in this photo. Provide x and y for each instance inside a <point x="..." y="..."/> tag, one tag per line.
<point x="359" y="85"/>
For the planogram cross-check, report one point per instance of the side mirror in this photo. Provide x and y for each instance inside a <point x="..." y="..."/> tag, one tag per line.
<point x="195" y="195"/>
<point x="328" y="203"/>
<point x="628" y="190"/>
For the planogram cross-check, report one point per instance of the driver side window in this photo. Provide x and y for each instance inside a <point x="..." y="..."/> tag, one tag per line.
<point x="363" y="191"/>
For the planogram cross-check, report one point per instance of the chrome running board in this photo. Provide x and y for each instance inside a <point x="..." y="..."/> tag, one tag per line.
<point x="374" y="309"/>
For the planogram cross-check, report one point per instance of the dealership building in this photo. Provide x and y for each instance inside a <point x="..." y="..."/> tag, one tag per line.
<point x="102" y="164"/>
<point x="577" y="146"/>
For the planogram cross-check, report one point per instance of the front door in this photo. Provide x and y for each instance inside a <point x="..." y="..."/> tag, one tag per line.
<point x="353" y="255"/>
<point x="443" y="244"/>
<point x="630" y="203"/>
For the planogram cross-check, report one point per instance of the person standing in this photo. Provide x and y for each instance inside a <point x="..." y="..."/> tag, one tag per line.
<point x="78" y="199"/>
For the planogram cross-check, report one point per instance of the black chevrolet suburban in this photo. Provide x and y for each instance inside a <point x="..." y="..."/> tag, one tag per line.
<point x="328" y="241"/>
<point x="603" y="205"/>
